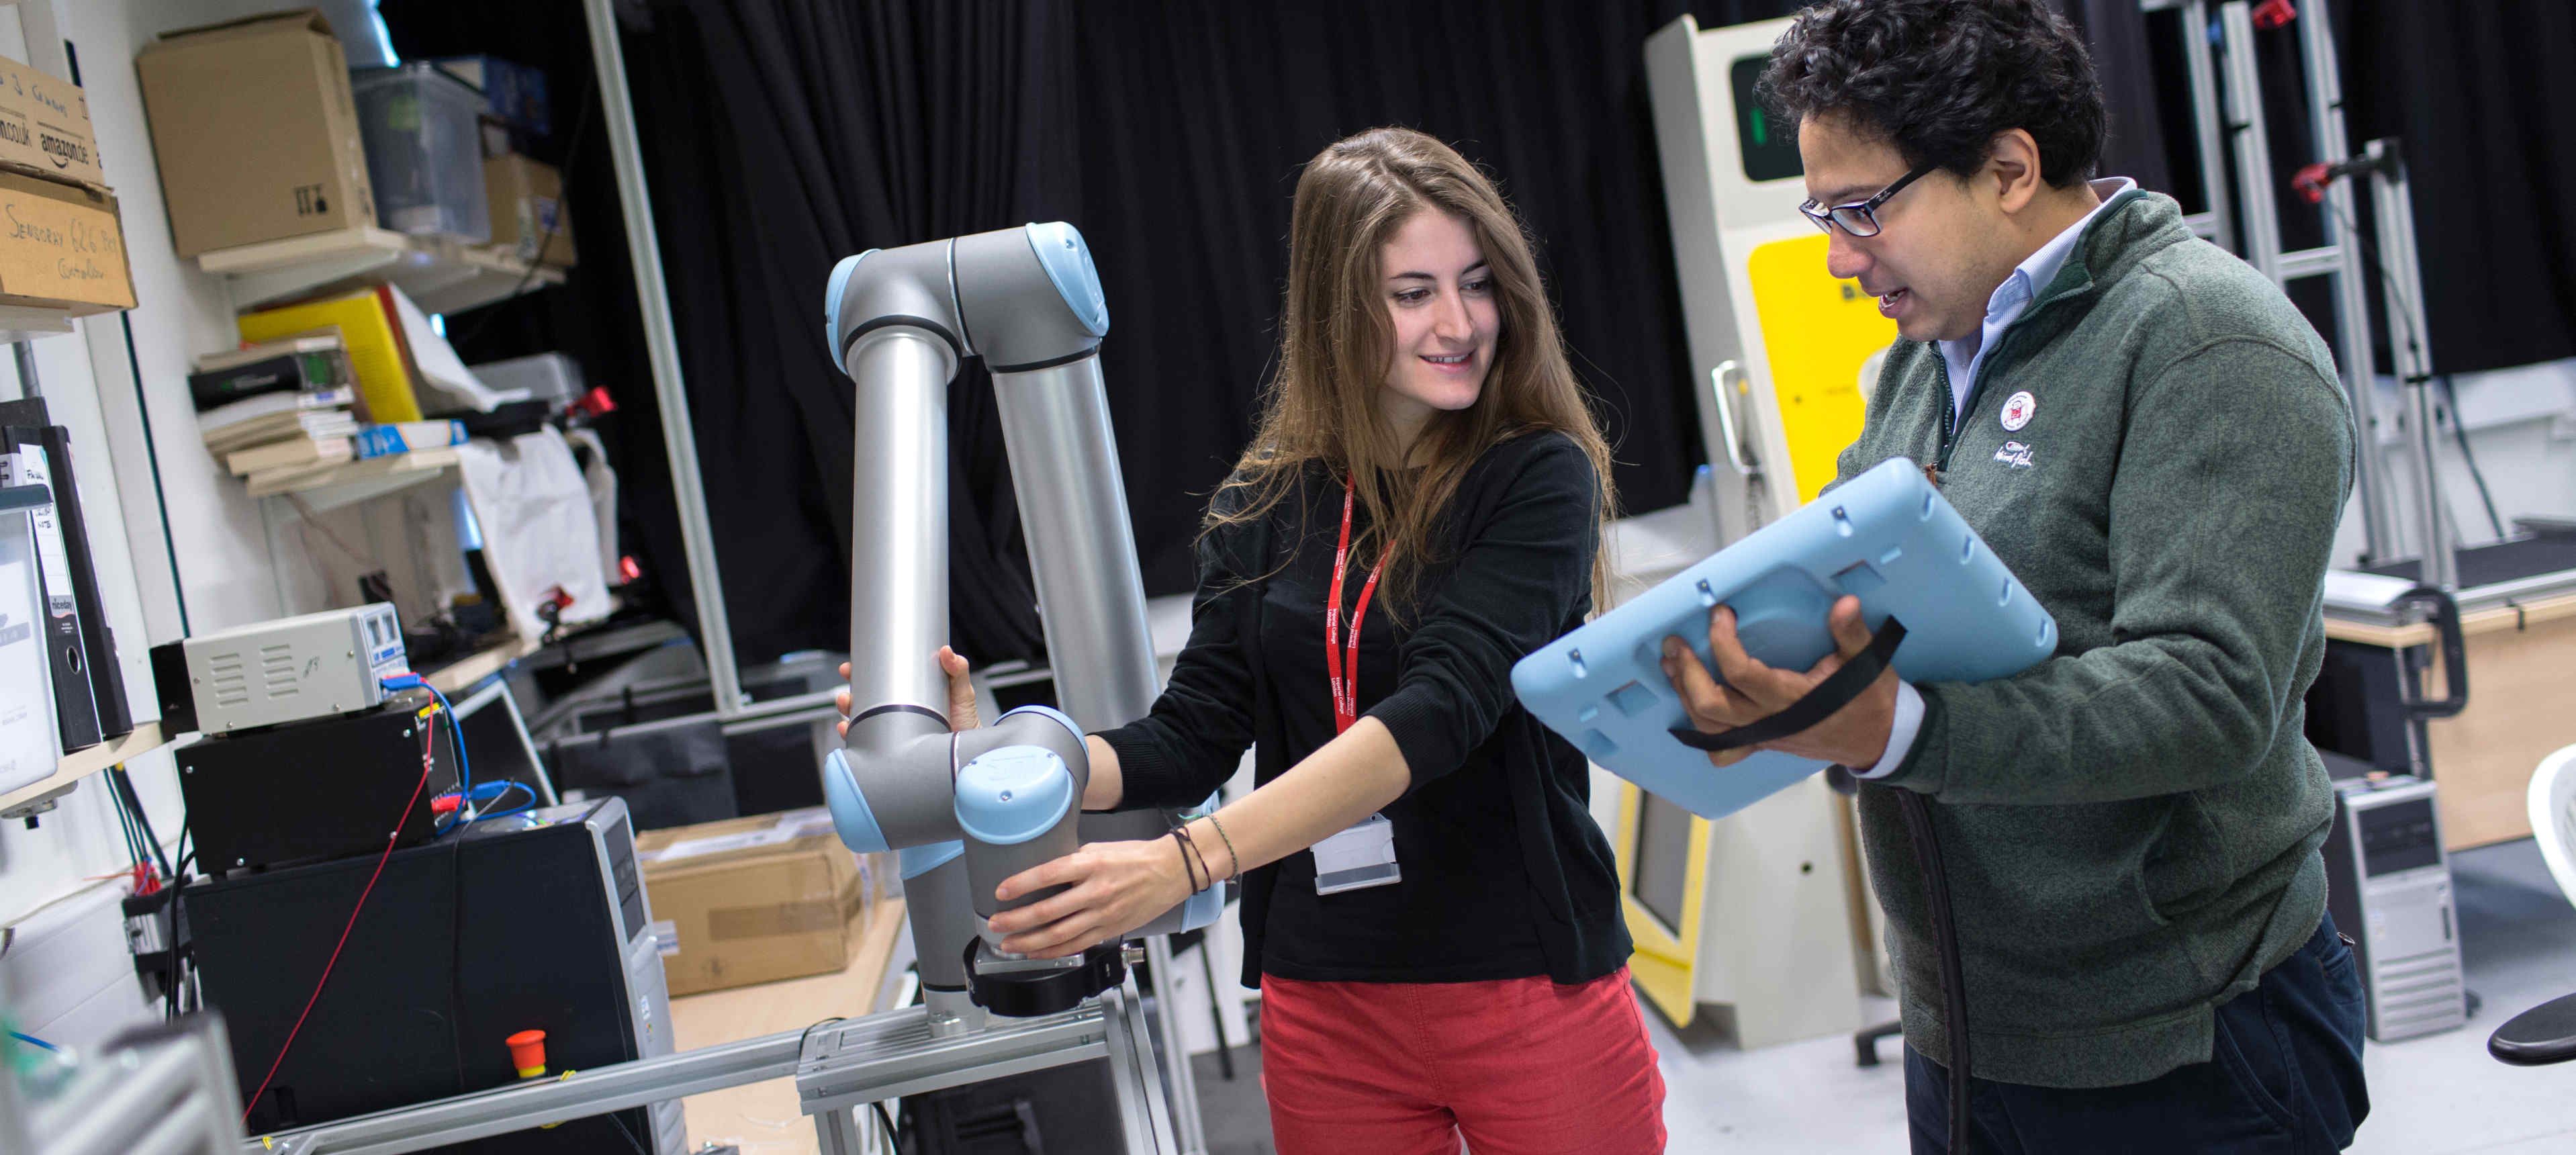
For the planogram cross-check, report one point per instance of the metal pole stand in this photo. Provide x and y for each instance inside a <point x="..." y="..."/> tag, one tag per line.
<point x="2228" y="121"/>
<point x="2411" y="344"/>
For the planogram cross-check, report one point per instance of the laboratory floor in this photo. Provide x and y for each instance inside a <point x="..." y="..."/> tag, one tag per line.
<point x="2437" y="1095"/>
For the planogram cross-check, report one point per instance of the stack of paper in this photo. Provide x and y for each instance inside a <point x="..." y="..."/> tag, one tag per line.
<point x="272" y="430"/>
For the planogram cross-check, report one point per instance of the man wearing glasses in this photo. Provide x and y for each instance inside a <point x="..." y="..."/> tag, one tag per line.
<point x="2153" y="439"/>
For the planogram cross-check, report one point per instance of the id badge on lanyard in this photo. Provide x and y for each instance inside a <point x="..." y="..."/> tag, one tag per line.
<point x="1364" y="855"/>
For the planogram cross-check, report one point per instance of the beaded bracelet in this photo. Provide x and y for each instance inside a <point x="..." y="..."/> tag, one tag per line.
<point x="1232" y="858"/>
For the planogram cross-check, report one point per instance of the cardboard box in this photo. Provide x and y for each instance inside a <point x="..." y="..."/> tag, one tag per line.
<point x="525" y="197"/>
<point x="44" y="126"/>
<point x="61" y="247"/>
<point x="754" y="900"/>
<point x="255" y="132"/>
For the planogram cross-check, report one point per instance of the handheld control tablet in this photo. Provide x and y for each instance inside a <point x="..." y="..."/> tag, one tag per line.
<point x="1886" y="536"/>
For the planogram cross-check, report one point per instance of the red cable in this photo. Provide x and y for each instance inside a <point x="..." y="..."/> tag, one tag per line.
<point x="426" y="727"/>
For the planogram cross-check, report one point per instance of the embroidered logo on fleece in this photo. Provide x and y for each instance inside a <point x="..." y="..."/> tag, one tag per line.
<point x="2018" y="410"/>
<point x="2014" y="454"/>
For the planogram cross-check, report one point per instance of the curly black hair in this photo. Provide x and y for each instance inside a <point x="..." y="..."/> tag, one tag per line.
<point x="1939" y="78"/>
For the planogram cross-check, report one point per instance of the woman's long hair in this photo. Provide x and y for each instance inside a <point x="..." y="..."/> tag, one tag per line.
<point x="1336" y="343"/>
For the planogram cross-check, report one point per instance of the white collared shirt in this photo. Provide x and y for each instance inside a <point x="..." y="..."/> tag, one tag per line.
<point x="2013" y="297"/>
<point x="1962" y="358"/>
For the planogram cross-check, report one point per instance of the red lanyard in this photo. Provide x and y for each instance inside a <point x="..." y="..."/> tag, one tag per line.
<point x="1346" y="691"/>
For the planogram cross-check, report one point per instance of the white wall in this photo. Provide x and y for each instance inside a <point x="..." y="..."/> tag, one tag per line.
<point x="2522" y="429"/>
<point x="225" y="575"/>
<point x="223" y="568"/>
<point x="194" y="554"/>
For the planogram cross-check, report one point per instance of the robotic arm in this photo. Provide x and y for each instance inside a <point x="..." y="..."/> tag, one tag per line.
<point x="969" y="810"/>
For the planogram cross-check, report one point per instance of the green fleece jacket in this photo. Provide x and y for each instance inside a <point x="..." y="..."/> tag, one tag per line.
<point x="2131" y="827"/>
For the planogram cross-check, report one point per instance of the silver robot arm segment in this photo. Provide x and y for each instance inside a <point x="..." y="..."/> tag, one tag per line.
<point x="971" y="809"/>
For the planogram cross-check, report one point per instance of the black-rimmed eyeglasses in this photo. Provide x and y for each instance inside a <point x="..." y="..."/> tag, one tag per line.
<point x="1859" y="218"/>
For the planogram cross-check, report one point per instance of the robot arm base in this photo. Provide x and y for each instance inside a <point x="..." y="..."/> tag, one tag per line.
<point x="1013" y="990"/>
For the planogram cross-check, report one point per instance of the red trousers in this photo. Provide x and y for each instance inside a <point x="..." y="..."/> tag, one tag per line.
<point x="1515" y="1067"/>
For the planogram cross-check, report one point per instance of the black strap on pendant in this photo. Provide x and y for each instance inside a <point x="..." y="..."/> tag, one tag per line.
<point x="1835" y="692"/>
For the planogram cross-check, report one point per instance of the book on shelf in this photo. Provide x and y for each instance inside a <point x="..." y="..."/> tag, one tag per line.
<point x="294" y="451"/>
<point x="280" y="416"/>
<point x="294" y="478"/>
<point x="223" y="417"/>
<point x="288" y="365"/>
<point x="268" y="433"/>
<point x="406" y="436"/>
<point x="317" y="341"/>
<point x="366" y="320"/>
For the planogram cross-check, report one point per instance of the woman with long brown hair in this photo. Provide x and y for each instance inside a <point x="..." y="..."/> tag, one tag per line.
<point x="1449" y="959"/>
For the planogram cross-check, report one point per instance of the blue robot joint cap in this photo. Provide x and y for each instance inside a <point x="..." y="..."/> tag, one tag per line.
<point x="1013" y="794"/>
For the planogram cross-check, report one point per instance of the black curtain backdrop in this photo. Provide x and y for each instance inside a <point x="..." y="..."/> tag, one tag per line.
<point x="792" y="132"/>
<point x="2477" y="94"/>
<point x="593" y="317"/>
<point x="781" y="135"/>
<point x="2115" y="31"/>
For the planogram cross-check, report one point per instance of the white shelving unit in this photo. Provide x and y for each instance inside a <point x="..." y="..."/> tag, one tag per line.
<point x="459" y="676"/>
<point x="22" y="322"/>
<point x="81" y="764"/>
<point x="455" y="678"/>
<point x="351" y="482"/>
<point x="438" y="274"/>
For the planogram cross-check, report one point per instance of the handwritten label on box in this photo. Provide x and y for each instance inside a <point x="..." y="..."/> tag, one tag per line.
<point x="62" y="251"/>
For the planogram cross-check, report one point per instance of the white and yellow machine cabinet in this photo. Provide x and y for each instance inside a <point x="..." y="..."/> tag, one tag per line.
<point x="1761" y="915"/>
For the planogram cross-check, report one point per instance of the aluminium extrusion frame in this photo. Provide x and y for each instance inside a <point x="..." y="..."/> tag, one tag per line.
<point x="837" y="1066"/>
<point x="662" y="347"/>
<point x="2392" y="203"/>
<point x="158" y="1089"/>
<point x="2227" y="111"/>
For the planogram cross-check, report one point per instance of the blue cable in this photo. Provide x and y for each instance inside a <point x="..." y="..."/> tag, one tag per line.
<point x="456" y="737"/>
<point x="33" y="1039"/>
<point x="486" y="792"/>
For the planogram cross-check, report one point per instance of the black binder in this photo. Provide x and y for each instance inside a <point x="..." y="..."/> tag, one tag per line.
<point x="98" y="641"/>
<point x="75" y="705"/>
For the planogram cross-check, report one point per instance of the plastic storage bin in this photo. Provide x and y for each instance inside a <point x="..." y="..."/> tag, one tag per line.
<point x="549" y="377"/>
<point x="424" y="152"/>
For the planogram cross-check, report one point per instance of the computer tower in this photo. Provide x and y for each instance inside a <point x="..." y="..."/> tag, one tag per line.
<point x="1055" y="1111"/>
<point x="2357" y="705"/>
<point x="2388" y="885"/>
<point x="532" y="921"/>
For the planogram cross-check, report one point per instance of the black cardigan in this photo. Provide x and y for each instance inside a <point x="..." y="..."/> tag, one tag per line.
<point x="1505" y="873"/>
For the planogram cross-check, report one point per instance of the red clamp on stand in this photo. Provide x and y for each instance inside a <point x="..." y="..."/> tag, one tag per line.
<point x="595" y="403"/>
<point x="2271" y="14"/>
<point x="2311" y="181"/>
<point x="550" y="611"/>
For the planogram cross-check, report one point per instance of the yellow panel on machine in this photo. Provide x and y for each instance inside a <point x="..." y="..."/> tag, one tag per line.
<point x="1667" y="954"/>
<point x="1820" y="334"/>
